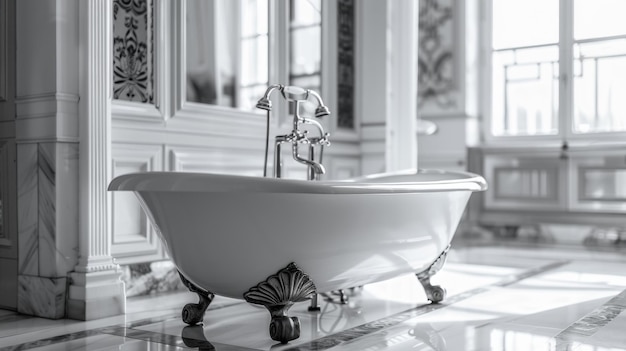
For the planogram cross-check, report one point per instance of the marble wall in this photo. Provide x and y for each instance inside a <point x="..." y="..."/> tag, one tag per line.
<point x="28" y="197"/>
<point x="45" y="257"/>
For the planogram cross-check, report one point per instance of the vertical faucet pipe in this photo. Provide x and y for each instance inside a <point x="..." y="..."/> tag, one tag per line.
<point x="267" y="142"/>
<point x="280" y="139"/>
<point x="277" y="160"/>
<point x="312" y="175"/>
<point x="314" y="169"/>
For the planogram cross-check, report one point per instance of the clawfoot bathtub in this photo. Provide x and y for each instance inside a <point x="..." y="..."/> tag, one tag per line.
<point x="275" y="242"/>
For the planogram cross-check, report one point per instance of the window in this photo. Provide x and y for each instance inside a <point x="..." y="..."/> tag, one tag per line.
<point x="254" y="51"/>
<point x="558" y="68"/>
<point x="305" y="48"/>
<point x="305" y="30"/>
<point x="228" y="49"/>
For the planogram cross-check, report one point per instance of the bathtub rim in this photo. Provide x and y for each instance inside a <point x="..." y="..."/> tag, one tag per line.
<point x="371" y="184"/>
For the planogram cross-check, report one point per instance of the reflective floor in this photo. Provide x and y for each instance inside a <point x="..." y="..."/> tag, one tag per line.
<point x="498" y="299"/>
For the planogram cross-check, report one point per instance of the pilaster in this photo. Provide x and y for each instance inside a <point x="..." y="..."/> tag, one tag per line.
<point x="96" y="288"/>
<point x="387" y="69"/>
<point x="402" y="37"/>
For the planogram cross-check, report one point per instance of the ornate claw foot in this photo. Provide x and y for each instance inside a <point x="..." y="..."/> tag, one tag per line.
<point x="193" y="313"/>
<point x="434" y="293"/>
<point x="278" y="293"/>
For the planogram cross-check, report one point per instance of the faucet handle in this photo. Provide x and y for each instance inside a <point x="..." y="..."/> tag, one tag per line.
<point x="324" y="141"/>
<point x="303" y="137"/>
<point x="293" y="93"/>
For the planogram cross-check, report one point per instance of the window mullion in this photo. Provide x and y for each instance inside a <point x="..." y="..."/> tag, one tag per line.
<point x="216" y="9"/>
<point x="566" y="66"/>
<point x="279" y="52"/>
<point x="238" y="65"/>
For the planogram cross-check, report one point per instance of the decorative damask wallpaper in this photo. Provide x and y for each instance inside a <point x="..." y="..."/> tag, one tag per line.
<point x="133" y="57"/>
<point x="436" y="61"/>
<point x="345" y="64"/>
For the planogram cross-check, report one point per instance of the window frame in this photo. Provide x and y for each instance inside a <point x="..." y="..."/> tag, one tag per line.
<point x="565" y="133"/>
<point x="279" y="52"/>
<point x="180" y="72"/>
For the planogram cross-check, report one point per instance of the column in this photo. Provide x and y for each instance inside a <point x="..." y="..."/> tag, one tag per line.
<point x="96" y="290"/>
<point x="387" y="89"/>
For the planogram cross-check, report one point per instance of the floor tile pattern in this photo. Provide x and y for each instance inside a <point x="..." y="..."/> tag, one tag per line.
<point x="498" y="299"/>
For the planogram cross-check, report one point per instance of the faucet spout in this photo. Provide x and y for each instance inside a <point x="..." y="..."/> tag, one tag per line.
<point x="318" y="168"/>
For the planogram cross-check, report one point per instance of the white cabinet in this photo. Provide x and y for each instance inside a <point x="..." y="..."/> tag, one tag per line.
<point x="524" y="181"/>
<point x="583" y="185"/>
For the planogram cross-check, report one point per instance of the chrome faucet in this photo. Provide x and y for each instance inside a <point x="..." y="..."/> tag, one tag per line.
<point x="298" y="136"/>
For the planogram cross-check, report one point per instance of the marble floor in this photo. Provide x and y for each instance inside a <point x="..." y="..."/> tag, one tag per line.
<point x="499" y="298"/>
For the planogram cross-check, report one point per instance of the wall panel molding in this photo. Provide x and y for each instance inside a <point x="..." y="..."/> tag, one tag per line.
<point x="343" y="167"/>
<point x="46" y="104"/>
<point x="136" y="112"/>
<point x="133" y="238"/>
<point x="215" y="160"/>
<point x="47" y="117"/>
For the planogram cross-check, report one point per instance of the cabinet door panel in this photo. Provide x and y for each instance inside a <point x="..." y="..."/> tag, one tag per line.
<point x="598" y="181"/>
<point x="525" y="182"/>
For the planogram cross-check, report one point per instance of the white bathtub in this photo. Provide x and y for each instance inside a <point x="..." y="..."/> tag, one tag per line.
<point x="226" y="234"/>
